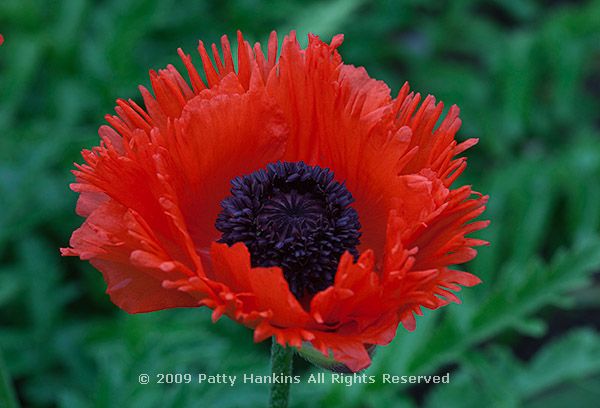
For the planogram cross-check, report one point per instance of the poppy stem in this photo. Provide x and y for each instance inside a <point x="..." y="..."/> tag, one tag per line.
<point x="281" y="365"/>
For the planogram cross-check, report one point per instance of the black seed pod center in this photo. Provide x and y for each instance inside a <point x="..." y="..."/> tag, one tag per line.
<point x="294" y="216"/>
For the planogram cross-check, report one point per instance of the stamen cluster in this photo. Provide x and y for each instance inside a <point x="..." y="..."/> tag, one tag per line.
<point x="294" y="216"/>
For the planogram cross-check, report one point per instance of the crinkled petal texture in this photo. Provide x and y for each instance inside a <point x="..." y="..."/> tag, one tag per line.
<point x="150" y="193"/>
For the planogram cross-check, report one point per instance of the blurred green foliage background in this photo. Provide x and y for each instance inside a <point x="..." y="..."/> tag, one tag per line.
<point x="526" y="75"/>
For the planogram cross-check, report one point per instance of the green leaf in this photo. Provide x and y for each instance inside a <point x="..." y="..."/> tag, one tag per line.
<point x="503" y="380"/>
<point x="582" y="393"/>
<point x="7" y="394"/>
<point x="323" y="18"/>
<point x="569" y="358"/>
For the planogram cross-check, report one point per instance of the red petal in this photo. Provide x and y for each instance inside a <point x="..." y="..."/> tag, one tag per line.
<point x="136" y="287"/>
<point x="231" y="266"/>
<point x="355" y="294"/>
<point x="207" y="150"/>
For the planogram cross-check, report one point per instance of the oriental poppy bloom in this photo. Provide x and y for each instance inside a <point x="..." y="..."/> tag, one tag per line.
<point x="293" y="195"/>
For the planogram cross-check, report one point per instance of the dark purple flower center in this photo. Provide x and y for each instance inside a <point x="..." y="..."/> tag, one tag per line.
<point x="294" y="216"/>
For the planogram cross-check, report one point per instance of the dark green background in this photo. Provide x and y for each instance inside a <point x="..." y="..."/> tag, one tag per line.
<point x="526" y="75"/>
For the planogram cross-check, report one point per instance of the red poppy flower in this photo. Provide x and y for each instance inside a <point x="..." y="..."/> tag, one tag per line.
<point x="294" y="195"/>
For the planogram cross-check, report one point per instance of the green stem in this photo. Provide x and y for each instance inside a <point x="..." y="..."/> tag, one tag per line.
<point x="281" y="365"/>
<point x="7" y="394"/>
